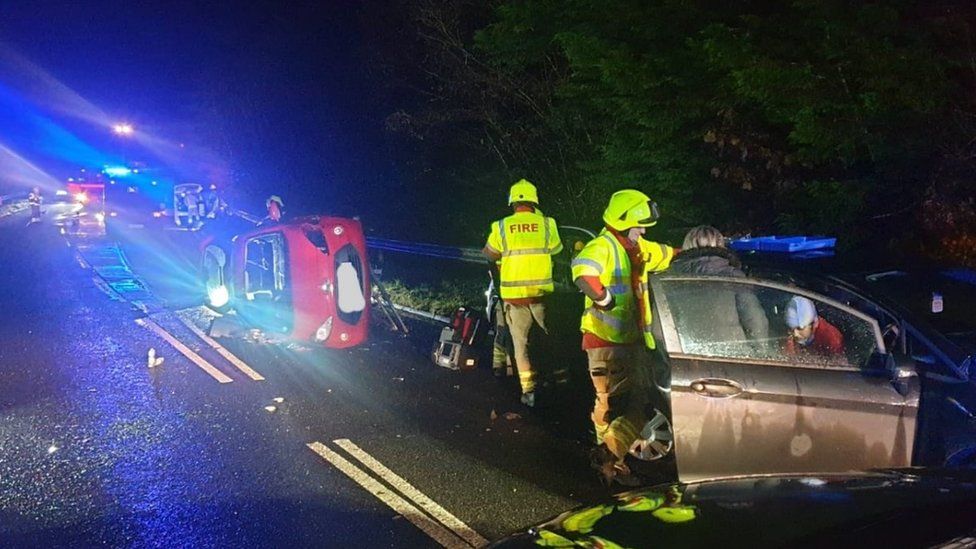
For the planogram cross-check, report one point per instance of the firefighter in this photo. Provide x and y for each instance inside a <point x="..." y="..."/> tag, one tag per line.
<point x="211" y="202"/>
<point x="524" y="243"/>
<point x="34" y="199"/>
<point x="192" y="201"/>
<point x="275" y="209"/>
<point x="611" y="271"/>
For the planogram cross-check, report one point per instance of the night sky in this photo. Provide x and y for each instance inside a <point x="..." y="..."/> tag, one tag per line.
<point x="271" y="97"/>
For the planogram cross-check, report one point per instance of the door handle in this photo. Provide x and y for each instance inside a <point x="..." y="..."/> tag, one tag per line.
<point x="715" y="388"/>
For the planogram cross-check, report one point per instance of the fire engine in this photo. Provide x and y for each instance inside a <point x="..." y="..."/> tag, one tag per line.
<point x="87" y="215"/>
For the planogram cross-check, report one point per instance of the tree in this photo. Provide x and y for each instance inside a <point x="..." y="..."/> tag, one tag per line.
<point x="805" y="116"/>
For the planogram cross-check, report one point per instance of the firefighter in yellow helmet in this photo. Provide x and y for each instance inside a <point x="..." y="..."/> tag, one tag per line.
<point x="611" y="271"/>
<point x="524" y="243"/>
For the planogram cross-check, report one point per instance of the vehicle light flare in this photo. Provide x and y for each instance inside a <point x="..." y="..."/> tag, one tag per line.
<point x="218" y="296"/>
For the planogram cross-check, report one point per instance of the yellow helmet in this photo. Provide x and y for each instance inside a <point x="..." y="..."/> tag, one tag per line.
<point x="523" y="191"/>
<point x="630" y="208"/>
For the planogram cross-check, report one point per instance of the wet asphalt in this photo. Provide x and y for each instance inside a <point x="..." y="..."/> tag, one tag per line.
<point x="98" y="449"/>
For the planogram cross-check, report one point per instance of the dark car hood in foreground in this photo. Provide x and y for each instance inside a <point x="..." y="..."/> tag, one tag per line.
<point x="904" y="508"/>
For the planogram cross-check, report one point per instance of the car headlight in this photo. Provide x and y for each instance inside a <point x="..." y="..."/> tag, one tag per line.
<point x="324" y="331"/>
<point x="218" y="296"/>
<point x="100" y="217"/>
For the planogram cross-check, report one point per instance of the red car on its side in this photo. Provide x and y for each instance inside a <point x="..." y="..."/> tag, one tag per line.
<point x="307" y="278"/>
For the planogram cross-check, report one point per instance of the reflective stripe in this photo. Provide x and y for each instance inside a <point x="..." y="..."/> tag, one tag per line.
<point x="587" y="262"/>
<point x="613" y="322"/>
<point x="618" y="270"/>
<point x="545" y="221"/>
<point x="622" y="430"/>
<point x="501" y="230"/>
<point x="619" y="285"/>
<point x="521" y="283"/>
<point x="663" y="259"/>
<point x="528" y="251"/>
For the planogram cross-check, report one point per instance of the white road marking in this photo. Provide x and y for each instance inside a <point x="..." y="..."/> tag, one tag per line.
<point x="238" y="363"/>
<point x="186" y="351"/>
<point x="446" y="518"/>
<point x="440" y="534"/>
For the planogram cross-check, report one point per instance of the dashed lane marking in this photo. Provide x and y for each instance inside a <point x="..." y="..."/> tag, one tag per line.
<point x="403" y="507"/>
<point x="446" y="518"/>
<point x="186" y="351"/>
<point x="238" y="363"/>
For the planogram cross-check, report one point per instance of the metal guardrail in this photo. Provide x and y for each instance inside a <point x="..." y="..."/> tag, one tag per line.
<point x="468" y="255"/>
<point x="245" y="215"/>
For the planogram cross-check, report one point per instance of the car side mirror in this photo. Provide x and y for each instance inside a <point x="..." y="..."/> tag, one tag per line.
<point x="903" y="372"/>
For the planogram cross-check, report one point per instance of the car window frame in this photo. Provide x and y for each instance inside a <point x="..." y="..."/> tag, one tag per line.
<point x="285" y="286"/>
<point x="676" y="350"/>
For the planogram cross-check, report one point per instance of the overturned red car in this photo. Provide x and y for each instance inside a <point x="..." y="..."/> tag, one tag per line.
<point x="307" y="279"/>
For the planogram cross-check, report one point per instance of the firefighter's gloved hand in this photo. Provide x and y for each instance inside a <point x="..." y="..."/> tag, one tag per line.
<point x="606" y="303"/>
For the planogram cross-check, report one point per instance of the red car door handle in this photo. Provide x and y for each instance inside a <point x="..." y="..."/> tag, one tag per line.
<point x="715" y="388"/>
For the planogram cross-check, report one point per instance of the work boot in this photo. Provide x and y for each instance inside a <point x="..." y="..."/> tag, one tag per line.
<point x="610" y="469"/>
<point x="529" y="399"/>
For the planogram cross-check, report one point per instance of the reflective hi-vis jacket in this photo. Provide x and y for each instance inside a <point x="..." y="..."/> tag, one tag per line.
<point x="606" y="258"/>
<point x="526" y="241"/>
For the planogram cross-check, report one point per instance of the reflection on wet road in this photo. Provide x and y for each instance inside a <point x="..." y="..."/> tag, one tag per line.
<point x="99" y="447"/>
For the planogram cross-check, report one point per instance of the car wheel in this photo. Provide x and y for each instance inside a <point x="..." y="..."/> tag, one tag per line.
<point x="656" y="439"/>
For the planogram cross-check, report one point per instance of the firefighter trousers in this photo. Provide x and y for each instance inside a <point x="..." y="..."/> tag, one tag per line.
<point x="521" y="321"/>
<point x="625" y="390"/>
<point x="501" y="352"/>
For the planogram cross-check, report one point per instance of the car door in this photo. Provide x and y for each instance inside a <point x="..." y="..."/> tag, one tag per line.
<point x="741" y="403"/>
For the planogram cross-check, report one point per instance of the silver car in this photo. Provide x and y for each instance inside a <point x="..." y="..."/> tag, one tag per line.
<point x="741" y="406"/>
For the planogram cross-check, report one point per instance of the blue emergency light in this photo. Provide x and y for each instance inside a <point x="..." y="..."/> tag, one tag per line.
<point x="783" y="244"/>
<point x="117" y="171"/>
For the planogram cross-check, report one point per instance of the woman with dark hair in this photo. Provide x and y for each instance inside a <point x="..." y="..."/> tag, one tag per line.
<point x="737" y="314"/>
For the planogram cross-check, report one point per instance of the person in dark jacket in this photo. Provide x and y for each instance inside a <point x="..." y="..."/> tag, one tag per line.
<point x="736" y="318"/>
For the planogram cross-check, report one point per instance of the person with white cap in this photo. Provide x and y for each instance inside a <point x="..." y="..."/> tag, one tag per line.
<point x="809" y="333"/>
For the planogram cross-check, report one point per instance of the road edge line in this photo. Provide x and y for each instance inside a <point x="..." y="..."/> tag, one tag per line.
<point x="186" y="351"/>
<point x="445" y="517"/>
<point x="400" y="505"/>
<point x="222" y="351"/>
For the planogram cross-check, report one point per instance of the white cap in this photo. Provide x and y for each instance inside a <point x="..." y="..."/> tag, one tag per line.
<point x="800" y="312"/>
